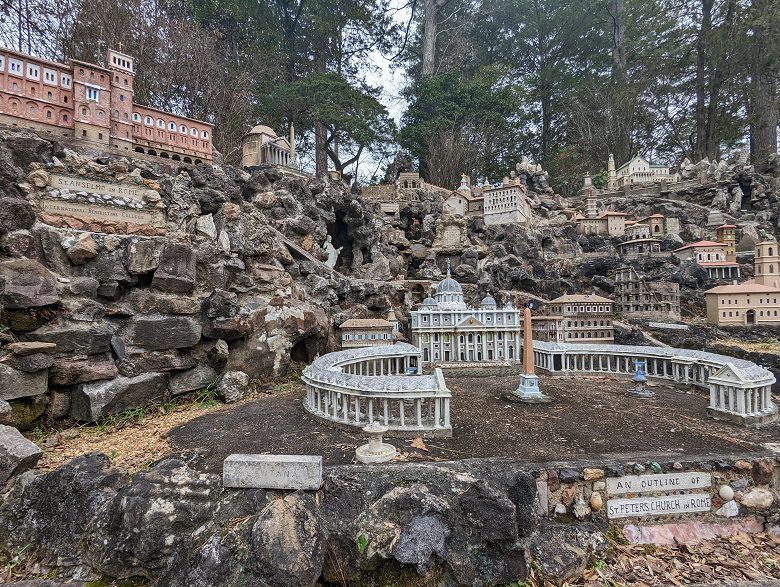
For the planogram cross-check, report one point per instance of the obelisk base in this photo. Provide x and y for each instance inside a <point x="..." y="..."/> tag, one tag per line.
<point x="528" y="391"/>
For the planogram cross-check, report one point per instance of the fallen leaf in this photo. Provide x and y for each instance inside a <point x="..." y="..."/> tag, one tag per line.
<point x="419" y="444"/>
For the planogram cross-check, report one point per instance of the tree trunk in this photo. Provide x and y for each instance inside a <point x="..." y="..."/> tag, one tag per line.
<point x="430" y="17"/>
<point x="763" y="114"/>
<point x="619" y="58"/>
<point x="320" y="156"/>
<point x="700" y="147"/>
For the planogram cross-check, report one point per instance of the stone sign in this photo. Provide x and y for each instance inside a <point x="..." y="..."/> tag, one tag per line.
<point x="77" y="184"/>
<point x="272" y="471"/>
<point x="99" y="212"/>
<point x="658" y="506"/>
<point x="657" y="483"/>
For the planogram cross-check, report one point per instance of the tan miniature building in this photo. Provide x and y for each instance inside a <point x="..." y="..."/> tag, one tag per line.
<point x="94" y="105"/>
<point x="727" y="234"/>
<point x="712" y="256"/>
<point x="756" y="301"/>
<point x="577" y="318"/>
<point x="639" y="246"/>
<point x="635" y="297"/>
<point x="261" y="146"/>
<point x="637" y="230"/>
<point x="607" y="223"/>
<point x="363" y="332"/>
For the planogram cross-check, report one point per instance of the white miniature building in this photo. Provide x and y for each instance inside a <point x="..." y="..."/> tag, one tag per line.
<point x="464" y="201"/>
<point x="506" y="203"/>
<point x="636" y="171"/>
<point x="445" y="329"/>
<point x="261" y="146"/>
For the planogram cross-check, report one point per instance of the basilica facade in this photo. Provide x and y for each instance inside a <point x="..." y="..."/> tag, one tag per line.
<point x="445" y="329"/>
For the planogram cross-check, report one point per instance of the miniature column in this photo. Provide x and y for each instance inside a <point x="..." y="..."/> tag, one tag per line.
<point x="528" y="390"/>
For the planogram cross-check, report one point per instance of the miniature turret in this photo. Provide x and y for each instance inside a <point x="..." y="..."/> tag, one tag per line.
<point x="611" y="173"/>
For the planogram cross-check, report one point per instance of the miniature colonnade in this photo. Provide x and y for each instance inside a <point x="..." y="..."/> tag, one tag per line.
<point x="360" y="386"/>
<point x="740" y="391"/>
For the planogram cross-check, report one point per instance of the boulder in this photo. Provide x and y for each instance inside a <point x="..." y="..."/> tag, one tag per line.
<point x="72" y="370"/>
<point x="561" y="552"/>
<point x="176" y="272"/>
<point x="31" y="363"/>
<point x="15" y="214"/>
<point x="25" y="283"/>
<point x="200" y="377"/>
<point x="143" y="256"/>
<point x="25" y="411"/>
<point x="17" y="454"/>
<point x="287" y="542"/>
<point x="84" y="249"/>
<point x="75" y="338"/>
<point x="160" y="332"/>
<point x="233" y="386"/>
<point x="93" y="401"/>
<point x="15" y="383"/>
<point x="138" y="361"/>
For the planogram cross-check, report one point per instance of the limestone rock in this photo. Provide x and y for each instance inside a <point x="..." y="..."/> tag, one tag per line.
<point x="287" y="542"/>
<point x="143" y="255"/>
<point x="562" y="552"/>
<point x="205" y="226"/>
<point x="176" y="271"/>
<point x="729" y="509"/>
<point x="137" y="361"/>
<point x="93" y="401"/>
<point x="77" y="338"/>
<point x="15" y="383"/>
<point x="84" y="249"/>
<point x="17" y="454"/>
<point x="73" y="370"/>
<point x="233" y="386"/>
<point x="25" y="283"/>
<point x="161" y="332"/>
<point x="22" y="349"/>
<point x="200" y="377"/>
<point x="758" y="499"/>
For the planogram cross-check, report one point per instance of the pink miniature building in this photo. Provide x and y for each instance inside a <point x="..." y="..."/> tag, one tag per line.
<point x="94" y="105"/>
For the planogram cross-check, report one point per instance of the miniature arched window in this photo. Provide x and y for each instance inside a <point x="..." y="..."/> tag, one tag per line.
<point x="771" y="269"/>
<point x="160" y="123"/>
<point x="771" y="250"/>
<point x="136" y="117"/>
<point x="205" y="134"/>
<point x="183" y="129"/>
<point x="172" y="126"/>
<point x="194" y="132"/>
<point x="148" y="121"/>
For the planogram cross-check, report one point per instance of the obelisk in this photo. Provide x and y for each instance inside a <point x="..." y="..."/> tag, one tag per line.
<point x="528" y="390"/>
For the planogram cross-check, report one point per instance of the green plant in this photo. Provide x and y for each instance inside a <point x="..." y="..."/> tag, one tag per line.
<point x="11" y="564"/>
<point x="362" y="543"/>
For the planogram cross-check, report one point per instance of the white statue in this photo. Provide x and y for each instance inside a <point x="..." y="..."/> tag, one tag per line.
<point x="333" y="252"/>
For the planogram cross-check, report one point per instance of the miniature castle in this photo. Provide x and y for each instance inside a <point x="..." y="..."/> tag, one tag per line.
<point x="93" y="105"/>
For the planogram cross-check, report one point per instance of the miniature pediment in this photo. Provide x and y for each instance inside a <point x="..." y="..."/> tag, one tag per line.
<point x="470" y="321"/>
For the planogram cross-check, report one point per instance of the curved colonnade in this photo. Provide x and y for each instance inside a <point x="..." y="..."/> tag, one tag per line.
<point x="359" y="386"/>
<point x="740" y="390"/>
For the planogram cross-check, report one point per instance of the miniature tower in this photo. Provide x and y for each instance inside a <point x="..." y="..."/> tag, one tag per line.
<point x="727" y="234"/>
<point x="392" y="319"/>
<point x="528" y="390"/>
<point x="611" y="173"/>
<point x="767" y="263"/>
<point x="292" y="144"/>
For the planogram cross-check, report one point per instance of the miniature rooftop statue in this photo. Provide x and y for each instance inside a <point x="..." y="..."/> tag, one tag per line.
<point x="640" y="388"/>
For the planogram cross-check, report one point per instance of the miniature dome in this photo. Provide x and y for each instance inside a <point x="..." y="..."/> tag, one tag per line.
<point x="429" y="302"/>
<point x="488" y="302"/>
<point x="261" y="128"/>
<point x="449" y="293"/>
<point x="448" y="285"/>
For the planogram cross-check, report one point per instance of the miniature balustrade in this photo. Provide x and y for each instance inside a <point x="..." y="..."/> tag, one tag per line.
<point x="739" y="390"/>
<point x="360" y="386"/>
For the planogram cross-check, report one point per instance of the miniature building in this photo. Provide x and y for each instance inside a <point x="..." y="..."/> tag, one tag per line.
<point x="444" y="328"/>
<point x="362" y="332"/>
<point x="637" y="230"/>
<point x="607" y="223"/>
<point x="506" y="203"/>
<point x="261" y="146"/>
<point x="639" y="246"/>
<point x="639" y="298"/>
<point x="576" y="318"/>
<point x="712" y="256"/>
<point x="93" y="105"/>
<point x="635" y="171"/>
<point x="756" y="301"/>
<point x="409" y="180"/>
<point x="727" y="234"/>
<point x="465" y="201"/>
